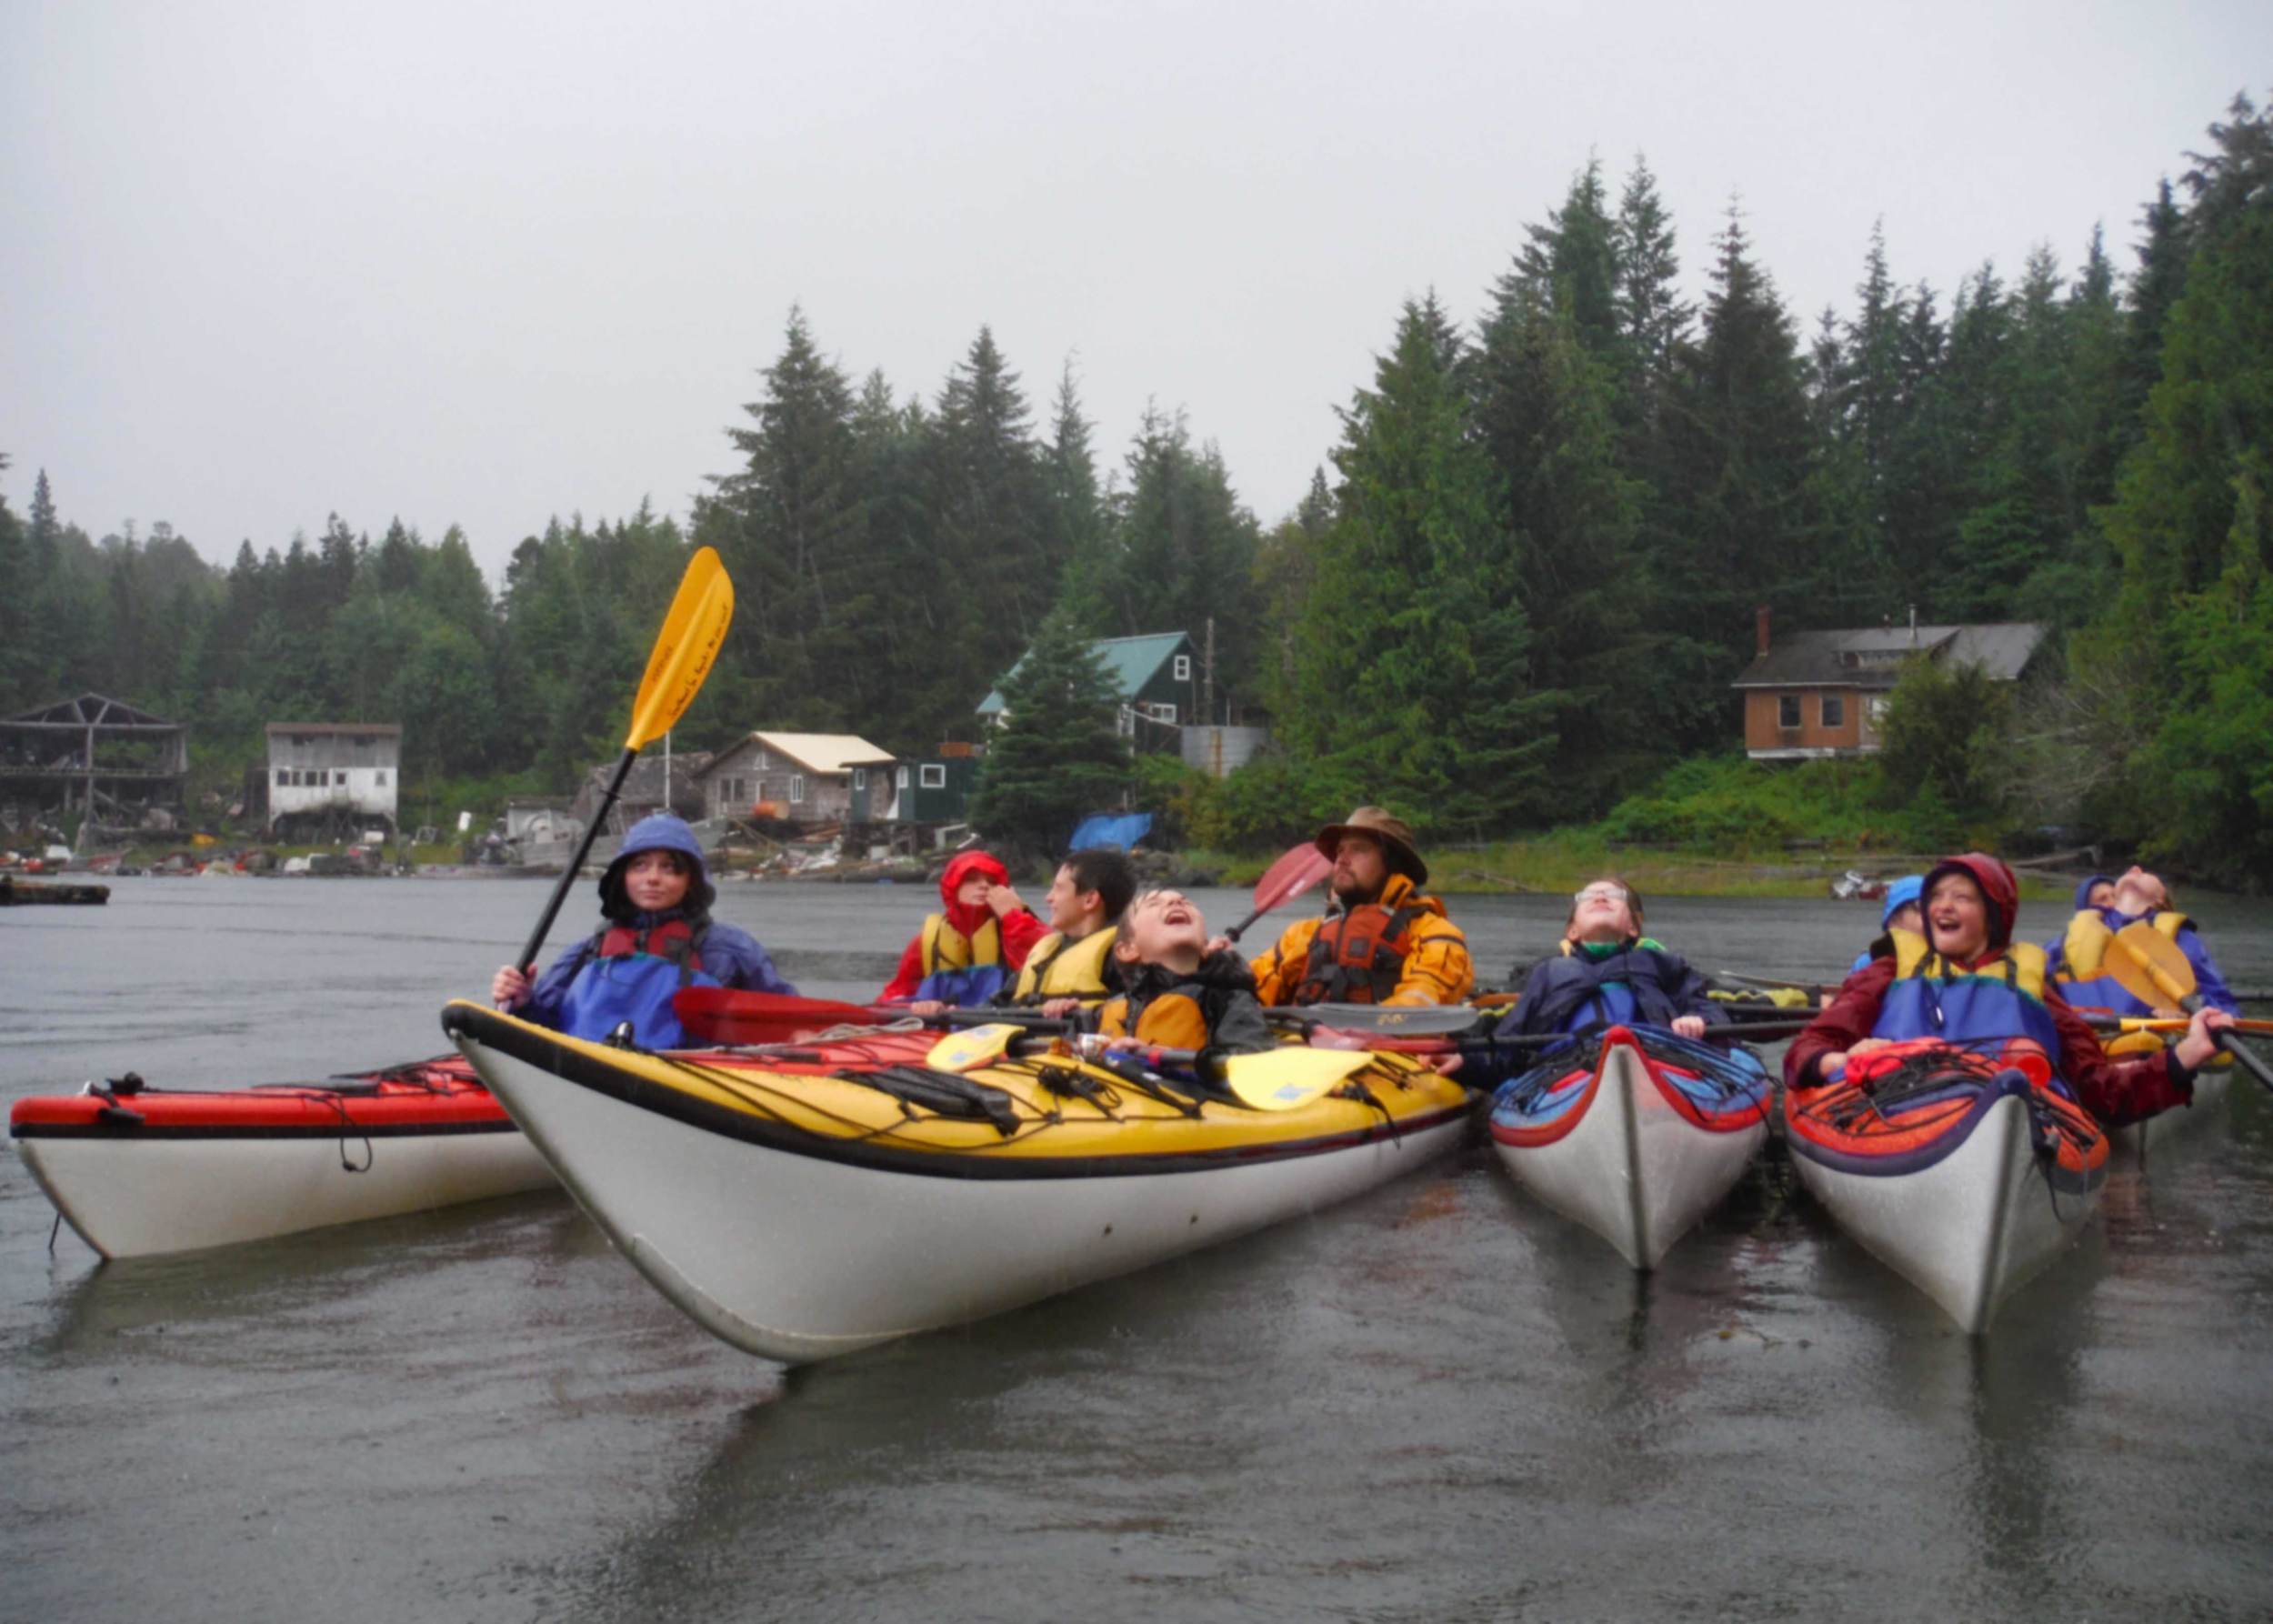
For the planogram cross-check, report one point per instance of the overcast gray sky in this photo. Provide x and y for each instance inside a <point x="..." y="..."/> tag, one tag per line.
<point x="482" y="263"/>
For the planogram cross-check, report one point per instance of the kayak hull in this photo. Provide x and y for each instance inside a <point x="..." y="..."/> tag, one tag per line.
<point x="1967" y="1207"/>
<point x="797" y="1241"/>
<point x="145" y="1174"/>
<point x="1634" y="1146"/>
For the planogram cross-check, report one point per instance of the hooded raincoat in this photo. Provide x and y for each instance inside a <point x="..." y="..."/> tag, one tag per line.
<point x="629" y="969"/>
<point x="2075" y="956"/>
<point x="964" y="955"/>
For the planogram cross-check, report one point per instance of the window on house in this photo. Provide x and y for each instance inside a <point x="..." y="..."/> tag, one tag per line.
<point x="284" y="778"/>
<point x="860" y="778"/>
<point x="1833" y="709"/>
<point x="1161" y="713"/>
<point x="339" y="778"/>
<point x="935" y="777"/>
<point x="762" y="761"/>
<point x="900" y="779"/>
<point x="378" y="779"/>
<point x="1788" y="710"/>
<point x="1184" y="667"/>
<point x="796" y="789"/>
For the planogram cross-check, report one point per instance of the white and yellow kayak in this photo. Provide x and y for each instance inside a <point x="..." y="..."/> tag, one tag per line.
<point x="810" y="1200"/>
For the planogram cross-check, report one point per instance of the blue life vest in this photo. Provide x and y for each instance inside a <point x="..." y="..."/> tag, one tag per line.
<point x="632" y="975"/>
<point x="1988" y="1004"/>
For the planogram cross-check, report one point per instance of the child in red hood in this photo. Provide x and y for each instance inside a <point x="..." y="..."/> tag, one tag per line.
<point x="965" y="953"/>
<point x="1966" y="982"/>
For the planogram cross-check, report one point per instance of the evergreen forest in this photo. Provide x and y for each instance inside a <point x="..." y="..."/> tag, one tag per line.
<point x="1515" y="595"/>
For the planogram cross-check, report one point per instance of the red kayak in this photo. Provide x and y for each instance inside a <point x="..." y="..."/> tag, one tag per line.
<point x="137" y="1170"/>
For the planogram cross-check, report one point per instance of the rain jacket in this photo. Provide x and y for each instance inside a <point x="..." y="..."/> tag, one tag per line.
<point x="1214" y="1007"/>
<point x="1436" y="969"/>
<point x="964" y="955"/>
<point x="1895" y="999"/>
<point x="587" y="991"/>
<point x="1577" y="991"/>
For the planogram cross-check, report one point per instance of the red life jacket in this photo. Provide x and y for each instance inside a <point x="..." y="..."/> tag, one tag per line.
<point x="671" y="941"/>
<point x="1358" y="957"/>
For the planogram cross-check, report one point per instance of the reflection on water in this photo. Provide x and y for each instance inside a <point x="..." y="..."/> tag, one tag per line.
<point x="1439" y="1402"/>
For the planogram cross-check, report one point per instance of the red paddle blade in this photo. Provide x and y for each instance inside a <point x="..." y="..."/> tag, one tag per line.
<point x="726" y="1015"/>
<point x="1303" y="866"/>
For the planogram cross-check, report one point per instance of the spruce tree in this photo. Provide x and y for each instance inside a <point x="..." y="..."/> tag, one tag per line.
<point x="1056" y="755"/>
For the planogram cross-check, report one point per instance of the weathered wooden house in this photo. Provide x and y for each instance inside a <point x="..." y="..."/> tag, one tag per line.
<point x="1819" y="694"/>
<point x="1156" y="678"/>
<point x="803" y="778"/>
<point x="93" y="754"/>
<point x="328" y="780"/>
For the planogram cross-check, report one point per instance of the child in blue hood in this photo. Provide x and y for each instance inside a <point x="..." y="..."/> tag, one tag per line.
<point x="2105" y="905"/>
<point x="1898" y="912"/>
<point x="659" y="937"/>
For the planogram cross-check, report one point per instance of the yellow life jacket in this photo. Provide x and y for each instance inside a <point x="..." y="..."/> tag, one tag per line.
<point x="1059" y="968"/>
<point x="2020" y="965"/>
<point x="1172" y="1020"/>
<point x="946" y="948"/>
<point x="2084" y="949"/>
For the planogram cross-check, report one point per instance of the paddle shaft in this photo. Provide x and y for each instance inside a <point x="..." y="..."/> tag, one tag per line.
<point x="2192" y="1001"/>
<point x="527" y="961"/>
<point x="1268" y="896"/>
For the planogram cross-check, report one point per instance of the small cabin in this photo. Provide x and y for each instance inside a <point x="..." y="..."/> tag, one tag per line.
<point x="934" y="788"/>
<point x="803" y="778"/>
<point x="327" y="780"/>
<point x="1822" y="693"/>
<point x="1156" y="678"/>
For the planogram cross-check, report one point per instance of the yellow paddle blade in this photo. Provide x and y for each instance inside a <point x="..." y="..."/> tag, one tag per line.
<point x="972" y="1048"/>
<point x="2149" y="966"/>
<point x="1287" y="1079"/>
<point x="684" y="649"/>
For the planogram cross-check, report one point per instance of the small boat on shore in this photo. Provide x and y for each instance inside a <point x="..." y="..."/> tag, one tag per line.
<point x="807" y="1200"/>
<point x="1634" y="1133"/>
<point x="1965" y="1176"/>
<point x="138" y="1171"/>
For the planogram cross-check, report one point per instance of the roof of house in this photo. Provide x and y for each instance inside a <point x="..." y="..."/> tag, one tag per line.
<point x="817" y="752"/>
<point x="1872" y="656"/>
<point x="96" y="708"/>
<point x="1129" y="664"/>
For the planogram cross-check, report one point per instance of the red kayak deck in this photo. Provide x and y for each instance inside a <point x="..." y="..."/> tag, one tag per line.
<point x="437" y="1096"/>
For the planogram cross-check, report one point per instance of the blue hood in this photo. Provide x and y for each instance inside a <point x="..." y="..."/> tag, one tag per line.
<point x="1899" y="893"/>
<point x="663" y="831"/>
<point x="2083" y="891"/>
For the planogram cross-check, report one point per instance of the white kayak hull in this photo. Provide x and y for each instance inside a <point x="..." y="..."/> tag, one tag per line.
<point x="134" y="1198"/>
<point x="1971" y="1228"/>
<point x="797" y="1257"/>
<point x="1633" y="1169"/>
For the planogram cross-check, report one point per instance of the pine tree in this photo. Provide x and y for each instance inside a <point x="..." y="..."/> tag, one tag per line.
<point x="1571" y="264"/>
<point x="1056" y="757"/>
<point x="1653" y="319"/>
<point x="1412" y="666"/>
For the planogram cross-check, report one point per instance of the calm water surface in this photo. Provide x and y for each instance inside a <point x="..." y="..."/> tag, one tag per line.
<point x="1438" y="1402"/>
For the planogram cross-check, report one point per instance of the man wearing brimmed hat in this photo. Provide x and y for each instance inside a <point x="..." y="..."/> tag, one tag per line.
<point x="1383" y="943"/>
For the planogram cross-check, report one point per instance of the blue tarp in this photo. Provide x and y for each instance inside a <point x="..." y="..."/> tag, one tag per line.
<point x="1120" y="830"/>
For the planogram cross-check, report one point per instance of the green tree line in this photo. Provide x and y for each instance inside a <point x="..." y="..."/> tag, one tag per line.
<point x="1518" y="589"/>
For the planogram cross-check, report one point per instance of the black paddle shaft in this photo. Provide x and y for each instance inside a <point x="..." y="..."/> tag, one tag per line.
<point x="527" y="961"/>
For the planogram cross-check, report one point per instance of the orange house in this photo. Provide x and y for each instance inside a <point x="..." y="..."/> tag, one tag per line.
<point x="1822" y="693"/>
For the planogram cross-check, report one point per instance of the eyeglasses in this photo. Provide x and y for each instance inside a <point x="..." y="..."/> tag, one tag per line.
<point x="1598" y="894"/>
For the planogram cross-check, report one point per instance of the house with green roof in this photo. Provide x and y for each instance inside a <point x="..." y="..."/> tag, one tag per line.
<point x="1155" y="676"/>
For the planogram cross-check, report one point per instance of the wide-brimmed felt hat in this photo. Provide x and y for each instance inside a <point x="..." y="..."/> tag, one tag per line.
<point x="1395" y="835"/>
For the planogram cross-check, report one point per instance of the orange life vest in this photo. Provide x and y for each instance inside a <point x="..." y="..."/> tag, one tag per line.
<point x="1358" y="957"/>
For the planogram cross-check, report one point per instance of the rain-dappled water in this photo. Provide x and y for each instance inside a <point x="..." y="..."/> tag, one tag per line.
<point x="1437" y="1402"/>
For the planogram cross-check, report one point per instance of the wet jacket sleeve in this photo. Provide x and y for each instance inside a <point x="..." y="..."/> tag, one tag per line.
<point x="1021" y="928"/>
<point x="732" y="958"/>
<point x="552" y="986"/>
<point x="1278" y="969"/>
<point x="1843" y="1023"/>
<point x="1240" y="1029"/>
<point x="2116" y="1091"/>
<point x="908" y="976"/>
<point x="1688" y="996"/>
<point x="1437" y="970"/>
<point x="2207" y="980"/>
